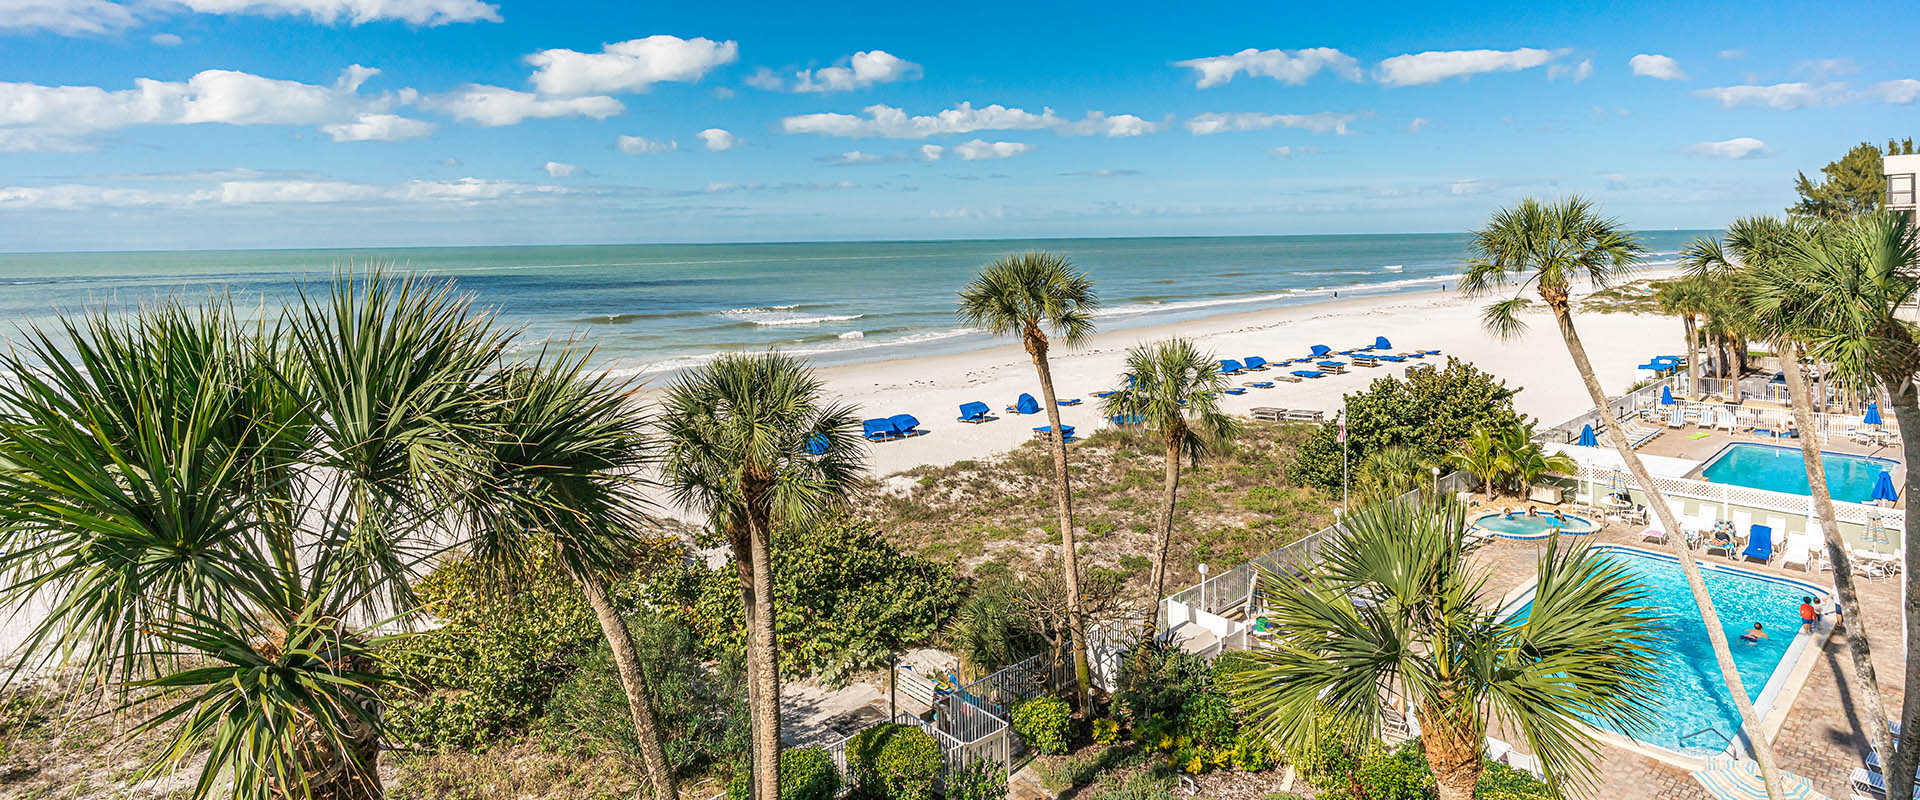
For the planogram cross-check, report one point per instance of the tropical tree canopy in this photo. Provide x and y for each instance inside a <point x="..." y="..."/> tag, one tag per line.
<point x="1547" y="247"/>
<point x="1031" y="293"/>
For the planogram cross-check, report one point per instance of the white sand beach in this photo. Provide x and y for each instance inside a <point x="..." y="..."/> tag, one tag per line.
<point x="932" y="388"/>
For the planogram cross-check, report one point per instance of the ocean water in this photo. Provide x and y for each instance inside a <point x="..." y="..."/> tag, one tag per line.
<point x="651" y="308"/>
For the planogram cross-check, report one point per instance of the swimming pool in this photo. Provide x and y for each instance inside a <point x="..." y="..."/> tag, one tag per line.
<point x="1781" y="469"/>
<point x="1693" y="714"/>
<point x="1521" y="526"/>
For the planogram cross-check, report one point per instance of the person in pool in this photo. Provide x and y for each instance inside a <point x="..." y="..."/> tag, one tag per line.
<point x="1532" y="512"/>
<point x="1754" y="636"/>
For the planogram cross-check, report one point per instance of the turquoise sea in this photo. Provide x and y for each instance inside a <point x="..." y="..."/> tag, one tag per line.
<point x="655" y="307"/>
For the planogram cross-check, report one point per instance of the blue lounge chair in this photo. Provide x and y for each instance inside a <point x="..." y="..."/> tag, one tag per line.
<point x="1381" y="343"/>
<point x="1046" y="432"/>
<point x="975" y="412"/>
<point x="1309" y="373"/>
<point x="878" y="430"/>
<point x="1318" y="351"/>
<point x="905" y="425"/>
<point x="1105" y="393"/>
<point x="1759" y="543"/>
<point x="1071" y="401"/>
<point x="1229" y="366"/>
<point x="1385" y="357"/>
<point x="1126" y="420"/>
<point x="1254" y="363"/>
<point x="1025" y="405"/>
<point x="816" y="444"/>
<point x="1236" y="391"/>
<point x="1261" y="384"/>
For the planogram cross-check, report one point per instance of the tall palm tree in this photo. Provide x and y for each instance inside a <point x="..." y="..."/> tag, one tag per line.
<point x="751" y="443"/>
<point x="1687" y="298"/>
<point x="1432" y="636"/>
<point x="559" y="467"/>
<point x="1480" y="454"/>
<point x="1040" y="298"/>
<point x="1548" y="247"/>
<point x="1175" y="392"/>
<point x="1526" y="460"/>
<point x="1840" y="293"/>
<point x="215" y="509"/>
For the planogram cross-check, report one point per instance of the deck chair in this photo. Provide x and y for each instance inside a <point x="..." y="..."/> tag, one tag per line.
<point x="1759" y="544"/>
<point x="1261" y="384"/>
<point x="1235" y="390"/>
<point x="1025" y="405"/>
<point x="1309" y="373"/>
<point x="905" y="425"/>
<point x="975" y="412"/>
<point x="1799" y="552"/>
<point x="878" y="430"/>
<point x="1229" y="366"/>
<point x="1253" y="363"/>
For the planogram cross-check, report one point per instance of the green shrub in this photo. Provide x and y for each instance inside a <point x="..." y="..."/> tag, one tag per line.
<point x="1428" y="412"/>
<point x="1209" y="720"/>
<point x="1106" y="731"/>
<point x="1042" y="722"/>
<point x="1140" y="785"/>
<point x="891" y="761"/>
<point x="981" y="780"/>
<point x="703" y="710"/>
<point x="1335" y="756"/>
<point x="1401" y="775"/>
<point x="1082" y="768"/>
<point x="806" y="773"/>
<point x="1501" y="782"/>
<point x="1156" y="680"/>
<point x="1253" y="753"/>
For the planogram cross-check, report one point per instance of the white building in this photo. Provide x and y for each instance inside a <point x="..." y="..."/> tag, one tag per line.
<point x="1902" y="173"/>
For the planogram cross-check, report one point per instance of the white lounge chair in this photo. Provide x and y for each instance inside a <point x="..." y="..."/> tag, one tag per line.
<point x="1654" y="535"/>
<point x="1799" y="552"/>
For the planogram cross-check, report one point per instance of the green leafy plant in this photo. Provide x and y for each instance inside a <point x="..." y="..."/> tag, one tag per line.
<point x="1043" y="723"/>
<point x="1105" y="731"/>
<point x="806" y="773"/>
<point x="892" y="761"/>
<point x="984" y="779"/>
<point x="1400" y="775"/>
<point x="1426" y="412"/>
<point x="1156" y="680"/>
<point x="1208" y="719"/>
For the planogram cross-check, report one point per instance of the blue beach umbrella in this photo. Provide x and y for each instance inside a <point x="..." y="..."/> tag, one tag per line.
<point x="1666" y="395"/>
<point x="1728" y="779"/>
<point x="1883" y="488"/>
<point x="1587" y="439"/>
<point x="1873" y="415"/>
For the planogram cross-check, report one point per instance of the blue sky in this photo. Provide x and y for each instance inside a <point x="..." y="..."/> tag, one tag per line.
<point x="134" y="124"/>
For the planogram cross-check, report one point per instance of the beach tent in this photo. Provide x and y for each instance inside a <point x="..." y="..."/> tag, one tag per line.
<point x="975" y="411"/>
<point x="1320" y="350"/>
<point x="1587" y="439"/>
<point x="877" y="430"/>
<point x="1666" y="395"/>
<point x="905" y="425"/>
<point x="1255" y="363"/>
<point x="1025" y="405"/>
<point x="816" y="444"/>
<point x="1873" y="415"/>
<point x="1229" y="366"/>
<point x="1381" y="343"/>
<point x="1883" y="488"/>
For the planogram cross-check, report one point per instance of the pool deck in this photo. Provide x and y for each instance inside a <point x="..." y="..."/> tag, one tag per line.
<point x="1675" y="444"/>
<point x="1820" y="737"/>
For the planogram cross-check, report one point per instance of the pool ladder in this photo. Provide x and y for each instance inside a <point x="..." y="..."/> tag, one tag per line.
<point x="1715" y="731"/>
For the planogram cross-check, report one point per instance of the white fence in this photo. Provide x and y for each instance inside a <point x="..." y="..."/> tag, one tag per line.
<point x="1729" y="497"/>
<point x="1644" y="403"/>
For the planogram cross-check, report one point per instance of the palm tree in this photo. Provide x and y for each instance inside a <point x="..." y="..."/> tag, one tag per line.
<point x="1687" y="298"/>
<point x="1480" y="454"/>
<point x="1174" y="391"/>
<point x="559" y="467"/>
<point x="1034" y="296"/>
<point x="1548" y="247"/>
<point x="1839" y="293"/>
<point x="1392" y="471"/>
<point x="1526" y="460"/>
<point x="1431" y="637"/>
<point x="216" y="508"/>
<point x="751" y="443"/>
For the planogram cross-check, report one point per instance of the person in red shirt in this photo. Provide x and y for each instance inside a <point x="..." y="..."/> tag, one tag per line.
<point x="1809" y="616"/>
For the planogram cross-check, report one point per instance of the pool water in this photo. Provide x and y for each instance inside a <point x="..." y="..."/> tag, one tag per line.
<point x="1693" y="712"/>
<point x="1781" y="469"/>
<point x="1521" y="526"/>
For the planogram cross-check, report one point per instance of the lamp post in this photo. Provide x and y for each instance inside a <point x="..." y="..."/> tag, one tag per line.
<point x="1436" y="484"/>
<point x="1203" y="587"/>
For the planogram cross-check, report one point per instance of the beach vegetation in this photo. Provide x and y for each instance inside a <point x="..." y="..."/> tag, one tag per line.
<point x="1849" y="186"/>
<point x="1042" y="299"/>
<point x="1586" y="650"/>
<point x="1044" y="723"/>
<point x="1428" y="412"/>
<point x="1545" y="248"/>
<point x="1508" y="457"/>
<point x="1173" y="390"/>
<point x="983" y="779"/>
<point x="806" y="773"/>
<point x="740" y="435"/>
<point x="894" y="761"/>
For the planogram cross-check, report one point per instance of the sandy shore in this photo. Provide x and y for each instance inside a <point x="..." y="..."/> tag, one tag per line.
<point x="931" y="388"/>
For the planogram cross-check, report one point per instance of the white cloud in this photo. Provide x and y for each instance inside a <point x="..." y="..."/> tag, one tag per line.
<point x="856" y="157"/>
<point x="1742" y="147"/>
<point x="1824" y="68"/>
<point x="931" y="152"/>
<point x="88" y="17"/>
<point x="643" y="146"/>
<point x="894" y="123"/>
<point x="764" y="78"/>
<point x="1654" y="65"/>
<point x="717" y="139"/>
<point x="1291" y="68"/>
<point x="1732" y="55"/>
<point x="556" y="169"/>
<point x="36" y="117"/>
<point x="1779" y="96"/>
<point x="165" y="39"/>
<point x="723" y="93"/>
<point x="858" y="71"/>
<point x="1433" y="66"/>
<point x="1321" y="122"/>
<point x="1289" y="151"/>
<point x="634" y="65"/>
<point x="1577" y="72"/>
<point x="978" y="150"/>
<point x="378" y="128"/>
<point x="1900" y="92"/>
<point x="493" y="106"/>
<point x="464" y="191"/>
<point x="1418" y="124"/>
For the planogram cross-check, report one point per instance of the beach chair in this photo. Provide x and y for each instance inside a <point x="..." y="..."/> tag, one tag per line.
<point x="905" y="425"/>
<point x="1304" y="415"/>
<point x="1071" y="401"/>
<point x="877" y="430"/>
<point x="1261" y="384"/>
<point x="1308" y="373"/>
<point x="1381" y="343"/>
<point x="1229" y="366"/>
<point x="1334" y="367"/>
<point x="976" y="412"/>
<point x="1046" y="432"/>
<point x="1268" y="413"/>
<point x="1126" y="420"/>
<point x="1236" y="391"/>
<point x="1389" y="357"/>
<point x="1318" y="351"/>
<point x="1365" y="361"/>
<point x="1288" y="377"/>
<point x="1253" y="363"/>
<point x="1025" y="405"/>
<point x="1654" y="535"/>
<point x="1759" y="544"/>
<point x="1106" y="393"/>
<point x="1799" y="552"/>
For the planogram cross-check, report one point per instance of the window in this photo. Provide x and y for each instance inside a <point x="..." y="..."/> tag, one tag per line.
<point x="1900" y="190"/>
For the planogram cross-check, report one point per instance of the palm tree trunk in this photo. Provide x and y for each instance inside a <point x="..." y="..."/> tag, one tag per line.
<point x="1453" y="752"/>
<point x="333" y="775"/>
<point x="753" y="567"/>
<point x="1906" y="404"/>
<point x="646" y="727"/>
<point x="1063" y="501"/>
<point x="1742" y="361"/>
<point x="1171" y="490"/>
<point x="1693" y="370"/>
<point x="1716" y="635"/>
<point x="1857" y="646"/>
